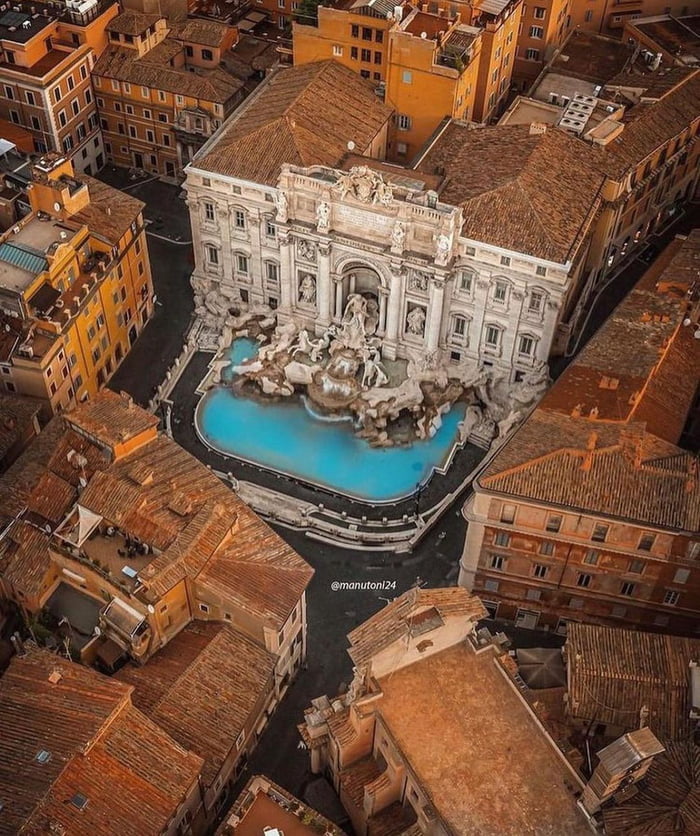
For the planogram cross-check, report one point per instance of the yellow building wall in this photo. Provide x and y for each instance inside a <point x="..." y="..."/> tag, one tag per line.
<point x="543" y="27"/>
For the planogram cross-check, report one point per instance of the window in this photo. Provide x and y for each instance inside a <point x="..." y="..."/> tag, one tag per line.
<point x="355" y="31"/>
<point x="500" y="291"/>
<point x="207" y="55"/>
<point x="379" y="36"/>
<point x="239" y="219"/>
<point x="540" y="571"/>
<point x="535" y="301"/>
<point x="526" y="345"/>
<point x="162" y="117"/>
<point x="508" y="513"/>
<point x="132" y="132"/>
<point x="407" y="77"/>
<point x="62" y="118"/>
<point x="67" y="143"/>
<point x="459" y="327"/>
<point x="337" y="51"/>
<point x="166" y="140"/>
<point x="179" y="100"/>
<point x="401" y="148"/>
<point x="539" y="12"/>
<point x="600" y="533"/>
<point x="532" y="54"/>
<point x="204" y="608"/>
<point x="36" y="124"/>
<point x="88" y="96"/>
<point x="466" y="280"/>
<point x="493" y="336"/>
<point x="83" y="72"/>
<point x="150" y="137"/>
<point x="366" y="34"/>
<point x="272" y="272"/>
<point x="491" y="586"/>
<point x="29" y="97"/>
<point x="404" y="123"/>
<point x="627" y="588"/>
<point x="533" y="594"/>
<point x="497" y="561"/>
<point x="146" y="113"/>
<point x="505" y="260"/>
<point x="212" y="255"/>
<point x="671" y="597"/>
<point x="162" y="97"/>
<point x="583" y="580"/>
<point x="14" y="116"/>
<point x="377" y="57"/>
<point x="636" y="566"/>
<point x="270" y="229"/>
<point x="354" y="53"/>
<point x="554" y="522"/>
<point x="57" y="92"/>
<point x="681" y="575"/>
<point x="546" y="547"/>
<point x="540" y="271"/>
<point x="366" y="55"/>
<point x="646" y="542"/>
<point x="502" y="538"/>
<point x="242" y="264"/>
<point x="129" y="109"/>
<point x="591" y="557"/>
<point x="588" y="17"/>
<point x="536" y="31"/>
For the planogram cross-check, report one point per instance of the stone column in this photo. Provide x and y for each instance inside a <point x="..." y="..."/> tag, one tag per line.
<point x="223" y="217"/>
<point x="383" y="300"/>
<point x="437" y="292"/>
<point x="393" y="320"/>
<point x="324" y="286"/>
<point x="287" y="282"/>
<point x="338" y="307"/>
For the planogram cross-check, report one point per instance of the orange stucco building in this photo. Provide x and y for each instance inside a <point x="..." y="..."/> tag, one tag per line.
<point x="428" y="63"/>
<point x="47" y="57"/>
<point x="75" y="287"/>
<point x="543" y="28"/>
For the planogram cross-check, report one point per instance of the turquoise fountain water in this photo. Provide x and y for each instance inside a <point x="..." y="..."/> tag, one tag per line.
<point x="283" y="436"/>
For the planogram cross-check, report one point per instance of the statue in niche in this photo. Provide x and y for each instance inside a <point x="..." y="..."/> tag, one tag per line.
<point x="282" y="207"/>
<point x="306" y="249"/>
<point x="415" y="321"/>
<point x="418" y="281"/>
<point x="323" y="214"/>
<point x="444" y="245"/>
<point x="307" y="290"/>
<point x="398" y="235"/>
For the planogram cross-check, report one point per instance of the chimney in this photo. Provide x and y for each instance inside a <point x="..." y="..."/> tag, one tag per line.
<point x="593" y="414"/>
<point x="577" y="411"/>
<point x="55" y="676"/>
<point x="108" y="210"/>
<point x="537" y="128"/>
<point x="591" y="444"/>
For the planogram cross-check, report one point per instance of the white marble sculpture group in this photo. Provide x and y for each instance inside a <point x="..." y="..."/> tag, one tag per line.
<point x="341" y="371"/>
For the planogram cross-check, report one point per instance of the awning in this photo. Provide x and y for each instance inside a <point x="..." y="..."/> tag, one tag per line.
<point x="87" y="523"/>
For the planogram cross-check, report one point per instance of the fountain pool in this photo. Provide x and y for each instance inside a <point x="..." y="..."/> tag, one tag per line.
<point x="284" y="437"/>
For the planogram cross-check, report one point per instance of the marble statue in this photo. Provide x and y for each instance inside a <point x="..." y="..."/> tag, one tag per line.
<point x="373" y="374"/>
<point x="398" y="236"/>
<point x="444" y="246"/>
<point x="415" y="321"/>
<point x="282" y="207"/>
<point x="306" y="249"/>
<point x="307" y="290"/>
<point x="312" y="348"/>
<point x="418" y="281"/>
<point x="323" y="214"/>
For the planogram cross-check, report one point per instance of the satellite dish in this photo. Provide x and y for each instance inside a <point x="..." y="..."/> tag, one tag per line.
<point x="57" y="206"/>
<point x="351" y="146"/>
<point x="151" y="608"/>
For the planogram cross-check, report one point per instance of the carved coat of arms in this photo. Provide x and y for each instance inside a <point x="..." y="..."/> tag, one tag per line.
<point x="364" y="185"/>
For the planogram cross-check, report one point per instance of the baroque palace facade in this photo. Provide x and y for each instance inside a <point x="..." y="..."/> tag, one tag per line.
<point x="302" y="238"/>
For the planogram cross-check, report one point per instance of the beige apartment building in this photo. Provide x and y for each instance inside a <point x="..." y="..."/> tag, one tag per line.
<point x="424" y="740"/>
<point x="48" y="51"/>
<point x="591" y="511"/>
<point x="162" y="89"/>
<point x="609" y="18"/>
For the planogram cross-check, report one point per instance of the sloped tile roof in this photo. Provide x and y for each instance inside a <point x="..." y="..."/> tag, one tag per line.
<point x="154" y="70"/>
<point x="18" y="415"/>
<point x="109" y="424"/>
<point x="614" y="672"/>
<point x="198" y="31"/>
<point x="202" y="688"/>
<point x="603" y="439"/>
<point x="110" y="212"/>
<point x="25" y="558"/>
<point x="667" y="802"/>
<point x="132" y="23"/>
<point x="100" y="746"/>
<point x="394" y="620"/>
<point x="304" y="116"/>
<point x="534" y="193"/>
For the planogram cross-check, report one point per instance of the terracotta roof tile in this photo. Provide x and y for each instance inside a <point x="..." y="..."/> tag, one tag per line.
<point x="51" y="497"/>
<point x="155" y="70"/>
<point x="603" y="438"/>
<point x="24" y="557"/>
<point x="202" y="688"/>
<point x="395" y="620"/>
<point x="303" y="115"/>
<point x="110" y="212"/>
<point x="530" y="193"/>
<point x="198" y="31"/>
<point x="132" y="23"/>
<point x="460" y="725"/>
<point x="102" y="419"/>
<point x="614" y="672"/>
<point x="18" y="415"/>
<point x="667" y="802"/>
